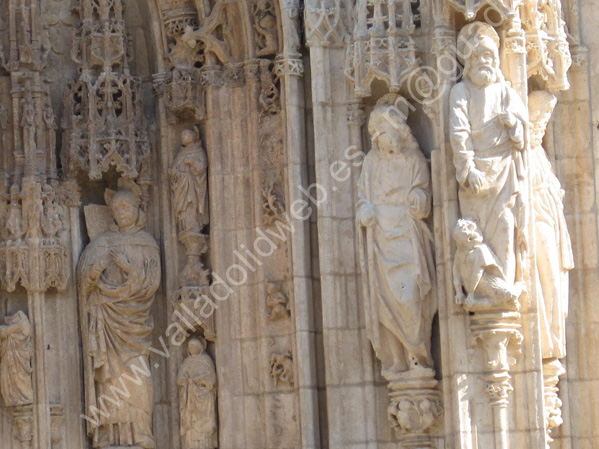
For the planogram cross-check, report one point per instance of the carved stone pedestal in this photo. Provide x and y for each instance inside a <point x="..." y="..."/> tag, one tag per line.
<point x="552" y="370"/>
<point x="22" y="423"/>
<point x="498" y="332"/>
<point x="190" y="313"/>
<point x="196" y="244"/>
<point x="415" y="408"/>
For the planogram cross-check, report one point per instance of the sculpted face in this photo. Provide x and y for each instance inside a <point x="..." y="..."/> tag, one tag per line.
<point x="195" y="347"/>
<point x="482" y="68"/>
<point x="187" y="137"/>
<point x="125" y="209"/>
<point x="386" y="136"/>
<point x="467" y="234"/>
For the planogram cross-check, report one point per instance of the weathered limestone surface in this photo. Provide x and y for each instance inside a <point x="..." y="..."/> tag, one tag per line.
<point x="276" y="224"/>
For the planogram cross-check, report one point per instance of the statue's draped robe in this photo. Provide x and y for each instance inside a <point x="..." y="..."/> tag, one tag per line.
<point x="479" y="140"/>
<point x="553" y="253"/>
<point x="402" y="251"/>
<point x="189" y="185"/>
<point x="119" y="331"/>
<point x="197" y="402"/>
<point x="15" y="363"/>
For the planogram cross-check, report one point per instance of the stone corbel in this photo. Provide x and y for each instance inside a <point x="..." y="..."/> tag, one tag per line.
<point x="183" y="93"/>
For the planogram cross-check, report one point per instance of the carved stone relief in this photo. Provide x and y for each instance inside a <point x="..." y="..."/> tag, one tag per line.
<point x="16" y="351"/>
<point x="197" y="398"/>
<point x="277" y="303"/>
<point x="266" y="25"/>
<point x="119" y="273"/>
<point x="281" y="369"/>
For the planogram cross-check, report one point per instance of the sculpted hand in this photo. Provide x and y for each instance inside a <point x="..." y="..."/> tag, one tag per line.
<point x="120" y="259"/>
<point x="508" y="119"/>
<point x="419" y="206"/>
<point x="475" y="180"/>
<point x="366" y="215"/>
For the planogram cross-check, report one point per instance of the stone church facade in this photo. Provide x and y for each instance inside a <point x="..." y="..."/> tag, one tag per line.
<point x="263" y="224"/>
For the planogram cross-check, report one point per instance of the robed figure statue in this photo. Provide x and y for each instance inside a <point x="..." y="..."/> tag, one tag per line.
<point x="488" y="128"/>
<point x="396" y="251"/>
<point x="119" y="273"/>
<point x="16" y="351"/>
<point x="197" y="398"/>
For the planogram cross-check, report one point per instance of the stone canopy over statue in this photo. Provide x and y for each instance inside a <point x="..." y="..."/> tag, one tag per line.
<point x="119" y="273"/>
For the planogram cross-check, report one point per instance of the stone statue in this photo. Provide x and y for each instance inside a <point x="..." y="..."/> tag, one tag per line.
<point x="16" y="351"/>
<point x="119" y="273"/>
<point x="553" y="250"/>
<point x="14" y="222"/>
<point x="394" y="199"/>
<point x="189" y="183"/>
<point x="488" y="123"/>
<point x="477" y="270"/>
<point x="197" y="398"/>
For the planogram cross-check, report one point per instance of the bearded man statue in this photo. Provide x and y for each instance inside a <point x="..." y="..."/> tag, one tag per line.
<point x="488" y="129"/>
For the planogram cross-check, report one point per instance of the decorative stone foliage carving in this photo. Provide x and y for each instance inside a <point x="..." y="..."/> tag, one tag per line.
<point x="394" y="198"/>
<point x="281" y="369"/>
<point x="197" y="398"/>
<point x="103" y="122"/>
<point x="16" y="351"/>
<point x="383" y="46"/>
<point x="119" y="272"/>
<point x="414" y="411"/>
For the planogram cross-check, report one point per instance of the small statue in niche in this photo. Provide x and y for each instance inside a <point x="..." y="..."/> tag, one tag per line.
<point x="265" y="24"/>
<point x="118" y="274"/>
<point x="477" y="270"/>
<point x="15" y="360"/>
<point x="189" y="183"/>
<point x="276" y="302"/>
<point x="488" y="123"/>
<point x="394" y="198"/>
<point x="281" y="368"/>
<point x="14" y="223"/>
<point x="189" y="186"/>
<point x="53" y="218"/>
<point x="197" y="398"/>
<point x="553" y="249"/>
